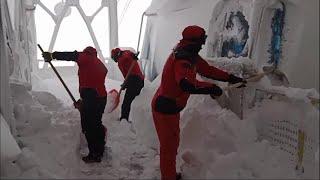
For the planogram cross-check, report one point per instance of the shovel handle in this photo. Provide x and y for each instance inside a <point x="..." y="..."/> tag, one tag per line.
<point x="61" y="80"/>
<point x="127" y="76"/>
<point x="121" y="89"/>
<point x="254" y="78"/>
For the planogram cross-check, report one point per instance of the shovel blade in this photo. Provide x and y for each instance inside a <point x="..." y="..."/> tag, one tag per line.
<point x="113" y="100"/>
<point x="276" y="77"/>
<point x="116" y="104"/>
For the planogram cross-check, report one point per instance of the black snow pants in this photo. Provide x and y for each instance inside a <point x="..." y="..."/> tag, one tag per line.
<point x="133" y="88"/>
<point x="91" y="114"/>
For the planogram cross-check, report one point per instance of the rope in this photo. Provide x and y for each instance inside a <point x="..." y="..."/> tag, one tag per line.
<point x="124" y="10"/>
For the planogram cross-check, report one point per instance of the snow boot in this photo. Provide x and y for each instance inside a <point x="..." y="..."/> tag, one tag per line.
<point x="91" y="159"/>
<point x="178" y="176"/>
<point x="123" y="118"/>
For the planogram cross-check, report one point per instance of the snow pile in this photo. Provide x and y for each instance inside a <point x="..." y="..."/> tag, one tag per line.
<point x="295" y="93"/>
<point x="32" y="111"/>
<point x="279" y="121"/>
<point x="216" y="143"/>
<point x="141" y="114"/>
<point x="237" y="66"/>
<point x="9" y="147"/>
<point x="30" y="115"/>
<point x="125" y="157"/>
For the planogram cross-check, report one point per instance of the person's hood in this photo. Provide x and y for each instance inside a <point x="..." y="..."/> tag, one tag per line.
<point x="90" y="50"/>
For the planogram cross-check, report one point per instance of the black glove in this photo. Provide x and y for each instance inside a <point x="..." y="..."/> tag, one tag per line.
<point x="78" y="104"/>
<point x="234" y="79"/>
<point x="47" y="56"/>
<point x="123" y="85"/>
<point x="135" y="56"/>
<point x="217" y="91"/>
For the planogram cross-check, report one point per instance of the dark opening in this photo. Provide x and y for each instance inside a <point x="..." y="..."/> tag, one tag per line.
<point x="277" y="25"/>
<point x="234" y="43"/>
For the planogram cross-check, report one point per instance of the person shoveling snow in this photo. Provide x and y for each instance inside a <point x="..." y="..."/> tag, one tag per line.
<point x="177" y="83"/>
<point x="134" y="79"/>
<point x="92" y="73"/>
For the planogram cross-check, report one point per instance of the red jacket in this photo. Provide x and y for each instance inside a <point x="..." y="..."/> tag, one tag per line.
<point x="124" y="63"/>
<point x="92" y="72"/>
<point x="177" y="69"/>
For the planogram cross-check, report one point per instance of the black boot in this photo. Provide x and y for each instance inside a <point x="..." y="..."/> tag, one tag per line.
<point x="91" y="159"/>
<point x="123" y="118"/>
<point x="178" y="176"/>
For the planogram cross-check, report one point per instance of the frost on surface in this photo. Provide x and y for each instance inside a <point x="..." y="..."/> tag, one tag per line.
<point x="229" y="29"/>
<point x="9" y="147"/>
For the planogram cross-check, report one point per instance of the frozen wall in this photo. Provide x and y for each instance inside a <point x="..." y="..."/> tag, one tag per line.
<point x="307" y="53"/>
<point x="300" y="34"/>
<point x="22" y="43"/>
<point x="5" y="60"/>
<point x="164" y="29"/>
<point x="18" y="51"/>
<point x="9" y="147"/>
<point x="300" y="42"/>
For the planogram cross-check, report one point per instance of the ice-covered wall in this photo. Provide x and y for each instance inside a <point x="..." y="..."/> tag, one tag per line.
<point x="22" y="42"/>
<point x="5" y="60"/>
<point x="9" y="147"/>
<point x="300" y="42"/>
<point x="300" y="33"/>
<point x="308" y="51"/>
<point x="18" y="50"/>
<point x="164" y="29"/>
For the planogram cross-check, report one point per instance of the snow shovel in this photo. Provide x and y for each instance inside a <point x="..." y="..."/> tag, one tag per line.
<point x="257" y="77"/>
<point x="83" y="141"/>
<point x="254" y="78"/>
<point x="56" y="72"/>
<point x="266" y="71"/>
<point x="117" y="100"/>
<point x="276" y="76"/>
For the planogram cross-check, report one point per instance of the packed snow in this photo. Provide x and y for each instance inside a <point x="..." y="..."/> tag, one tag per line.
<point x="215" y="143"/>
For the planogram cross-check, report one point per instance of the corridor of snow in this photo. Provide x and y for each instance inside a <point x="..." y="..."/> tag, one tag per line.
<point x="249" y="133"/>
<point x="214" y="143"/>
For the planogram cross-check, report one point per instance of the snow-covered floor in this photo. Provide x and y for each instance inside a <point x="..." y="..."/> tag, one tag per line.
<point x="53" y="149"/>
<point x="215" y="143"/>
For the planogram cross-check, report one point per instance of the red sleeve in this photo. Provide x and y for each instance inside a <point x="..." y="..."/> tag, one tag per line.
<point x="184" y="70"/>
<point x="82" y="59"/>
<point x="204" y="69"/>
<point x="124" y="64"/>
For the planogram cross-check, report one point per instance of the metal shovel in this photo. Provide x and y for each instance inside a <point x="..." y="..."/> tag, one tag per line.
<point x="277" y="77"/>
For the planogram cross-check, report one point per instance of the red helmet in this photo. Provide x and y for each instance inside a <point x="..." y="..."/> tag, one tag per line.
<point x="115" y="53"/>
<point x="195" y="34"/>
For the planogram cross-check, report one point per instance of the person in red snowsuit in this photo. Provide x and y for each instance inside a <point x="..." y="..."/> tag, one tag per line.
<point x="92" y="73"/>
<point x="134" y="82"/>
<point x="177" y="83"/>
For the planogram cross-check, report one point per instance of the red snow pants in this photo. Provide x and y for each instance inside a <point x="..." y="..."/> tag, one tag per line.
<point x="167" y="127"/>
